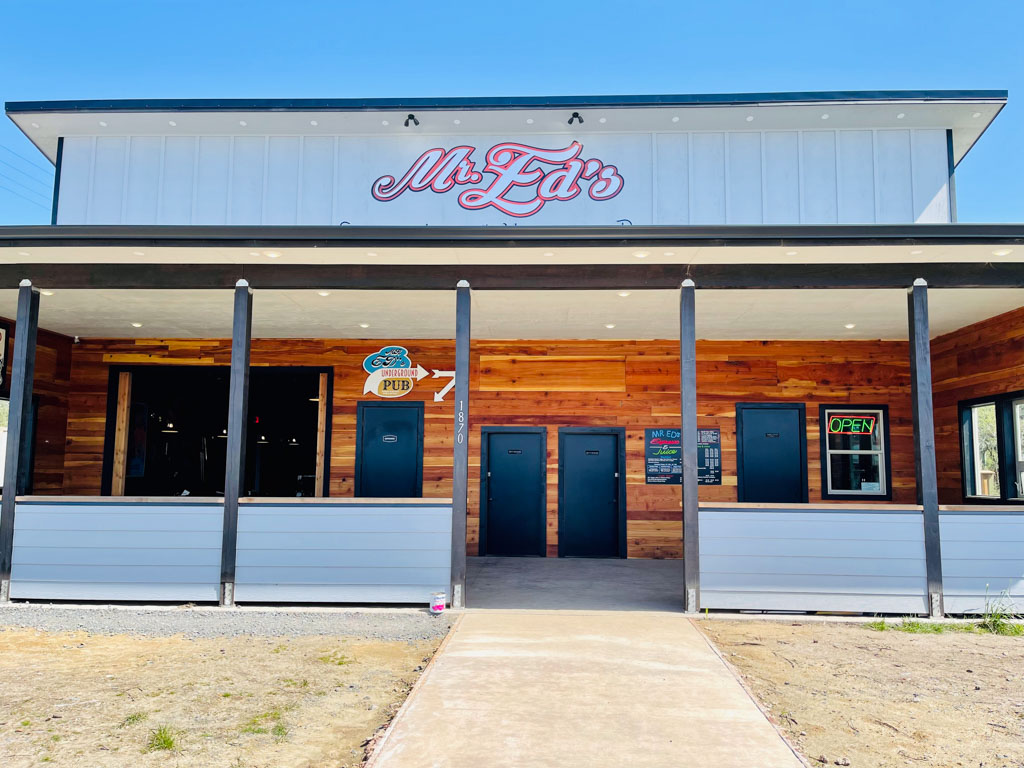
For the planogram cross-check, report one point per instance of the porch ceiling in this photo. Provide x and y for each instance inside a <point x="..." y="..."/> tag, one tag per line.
<point x="642" y="314"/>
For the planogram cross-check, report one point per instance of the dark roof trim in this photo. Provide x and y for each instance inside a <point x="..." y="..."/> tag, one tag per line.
<point x="443" y="277"/>
<point x="507" y="237"/>
<point x="492" y="102"/>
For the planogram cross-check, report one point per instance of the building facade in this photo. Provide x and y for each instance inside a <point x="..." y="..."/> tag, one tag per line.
<point x="323" y="351"/>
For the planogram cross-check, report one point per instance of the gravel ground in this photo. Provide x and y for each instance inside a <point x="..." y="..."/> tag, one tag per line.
<point x="408" y="625"/>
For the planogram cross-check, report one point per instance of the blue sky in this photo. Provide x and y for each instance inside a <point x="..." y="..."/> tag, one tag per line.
<point x="301" y="48"/>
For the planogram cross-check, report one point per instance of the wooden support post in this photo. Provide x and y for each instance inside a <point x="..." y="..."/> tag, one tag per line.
<point x="321" y="436"/>
<point x="22" y="374"/>
<point x="688" y="443"/>
<point x="460" y="450"/>
<point x="121" y="427"/>
<point x="238" y="419"/>
<point x="924" y="439"/>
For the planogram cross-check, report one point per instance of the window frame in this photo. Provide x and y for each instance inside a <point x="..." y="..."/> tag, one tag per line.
<point x="885" y="468"/>
<point x="1006" y="448"/>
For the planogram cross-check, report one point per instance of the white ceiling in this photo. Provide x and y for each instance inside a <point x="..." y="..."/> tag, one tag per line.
<point x="877" y="314"/>
<point x="498" y="254"/>
<point x="43" y="128"/>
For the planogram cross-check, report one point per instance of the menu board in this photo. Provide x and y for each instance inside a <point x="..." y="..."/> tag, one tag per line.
<point x="663" y="457"/>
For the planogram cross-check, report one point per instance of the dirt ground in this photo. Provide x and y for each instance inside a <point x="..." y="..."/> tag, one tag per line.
<point x="847" y="695"/>
<point x="74" y="699"/>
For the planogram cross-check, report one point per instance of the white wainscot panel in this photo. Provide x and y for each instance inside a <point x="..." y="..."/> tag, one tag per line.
<point x="930" y="165"/>
<point x="982" y="560"/>
<point x="108" y="550"/>
<point x="343" y="553"/>
<point x="812" y="560"/>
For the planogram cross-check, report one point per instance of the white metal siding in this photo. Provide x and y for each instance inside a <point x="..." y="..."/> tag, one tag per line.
<point x="981" y="553"/>
<point x="343" y="553"/>
<point x="108" y="550"/>
<point x="812" y="560"/>
<point x="737" y="177"/>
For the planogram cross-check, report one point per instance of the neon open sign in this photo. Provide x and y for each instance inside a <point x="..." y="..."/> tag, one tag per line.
<point x="851" y="425"/>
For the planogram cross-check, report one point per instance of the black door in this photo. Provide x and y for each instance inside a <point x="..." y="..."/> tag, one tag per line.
<point x="771" y="446"/>
<point x="513" y="499"/>
<point x="591" y="493"/>
<point x="389" y="450"/>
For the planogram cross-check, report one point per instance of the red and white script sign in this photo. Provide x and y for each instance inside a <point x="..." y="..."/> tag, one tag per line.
<point x="517" y="179"/>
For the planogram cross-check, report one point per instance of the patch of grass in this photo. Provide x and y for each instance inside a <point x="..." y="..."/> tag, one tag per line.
<point x="225" y="695"/>
<point x="335" y="657"/>
<point x="878" y="625"/>
<point x="279" y="731"/>
<point x="999" y="617"/>
<point x="296" y="683"/>
<point x="988" y="625"/>
<point x="56" y="737"/>
<point x="261" y="723"/>
<point x="278" y="648"/>
<point x="132" y="719"/>
<point x="163" y="738"/>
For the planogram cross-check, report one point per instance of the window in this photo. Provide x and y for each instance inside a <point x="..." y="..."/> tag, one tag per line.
<point x="992" y="448"/>
<point x="855" y="452"/>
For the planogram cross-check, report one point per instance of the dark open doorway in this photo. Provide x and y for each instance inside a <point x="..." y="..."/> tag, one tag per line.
<point x="175" y="422"/>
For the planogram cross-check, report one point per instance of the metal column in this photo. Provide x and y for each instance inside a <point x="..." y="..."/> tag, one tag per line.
<point x="688" y="443"/>
<point x="460" y="449"/>
<point x="238" y="420"/>
<point x="22" y="373"/>
<point x="924" y="438"/>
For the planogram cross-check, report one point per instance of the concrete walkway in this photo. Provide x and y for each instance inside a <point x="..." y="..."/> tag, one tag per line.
<point x="558" y="688"/>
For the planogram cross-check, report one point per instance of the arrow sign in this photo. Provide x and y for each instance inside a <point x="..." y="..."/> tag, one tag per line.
<point x="439" y="396"/>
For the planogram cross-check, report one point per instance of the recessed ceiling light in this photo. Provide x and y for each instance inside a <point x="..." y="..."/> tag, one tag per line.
<point x="825" y="116"/>
<point x="254" y="253"/>
<point x="529" y="121"/>
<point x="602" y="119"/>
<point x="791" y="253"/>
<point x="609" y="325"/>
<point x="675" y="119"/>
<point x="850" y="326"/>
<point x="383" y="122"/>
<point x="976" y="115"/>
<point x="669" y="253"/>
<point x="138" y="253"/>
<point x="641" y="254"/>
<point x="916" y="253"/>
<point x="457" y="121"/>
<point x="23" y="253"/>
<point x="548" y="254"/>
<point x="103" y="123"/>
<point x="272" y="255"/>
<point x="364" y="325"/>
<point x="371" y="254"/>
<point x="313" y="122"/>
<point x="171" y="123"/>
<point x="623" y="294"/>
<point x="900" y="116"/>
<point x="750" y="118"/>
<point x="136" y="325"/>
<point x="242" y="123"/>
<point x="47" y="293"/>
<point x="35" y="125"/>
<point x="323" y="293"/>
<point x="1003" y="252"/>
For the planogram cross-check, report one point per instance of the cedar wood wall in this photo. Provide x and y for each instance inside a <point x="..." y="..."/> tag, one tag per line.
<point x="633" y="384"/>
<point x="981" y="360"/>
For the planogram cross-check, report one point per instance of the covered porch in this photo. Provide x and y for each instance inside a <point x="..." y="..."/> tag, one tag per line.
<point x="548" y="339"/>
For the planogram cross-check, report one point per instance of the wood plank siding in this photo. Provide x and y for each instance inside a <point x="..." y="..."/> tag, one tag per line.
<point x="632" y="384"/>
<point x="980" y="360"/>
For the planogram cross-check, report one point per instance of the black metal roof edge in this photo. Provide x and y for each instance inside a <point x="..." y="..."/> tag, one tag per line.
<point x="493" y="102"/>
<point x="514" y="237"/>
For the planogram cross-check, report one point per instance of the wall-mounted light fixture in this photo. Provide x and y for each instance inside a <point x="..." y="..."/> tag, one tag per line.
<point x="411" y="117"/>
<point x="575" y="116"/>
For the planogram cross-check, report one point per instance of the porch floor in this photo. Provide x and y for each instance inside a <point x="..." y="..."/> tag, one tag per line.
<point x="553" y="583"/>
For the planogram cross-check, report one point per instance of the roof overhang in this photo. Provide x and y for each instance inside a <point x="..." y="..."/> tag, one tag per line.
<point x="966" y="113"/>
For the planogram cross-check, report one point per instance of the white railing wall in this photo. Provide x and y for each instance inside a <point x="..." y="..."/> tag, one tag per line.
<point x="343" y="550"/>
<point x="982" y="558"/>
<point x="833" y="557"/>
<point x="114" y="549"/>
